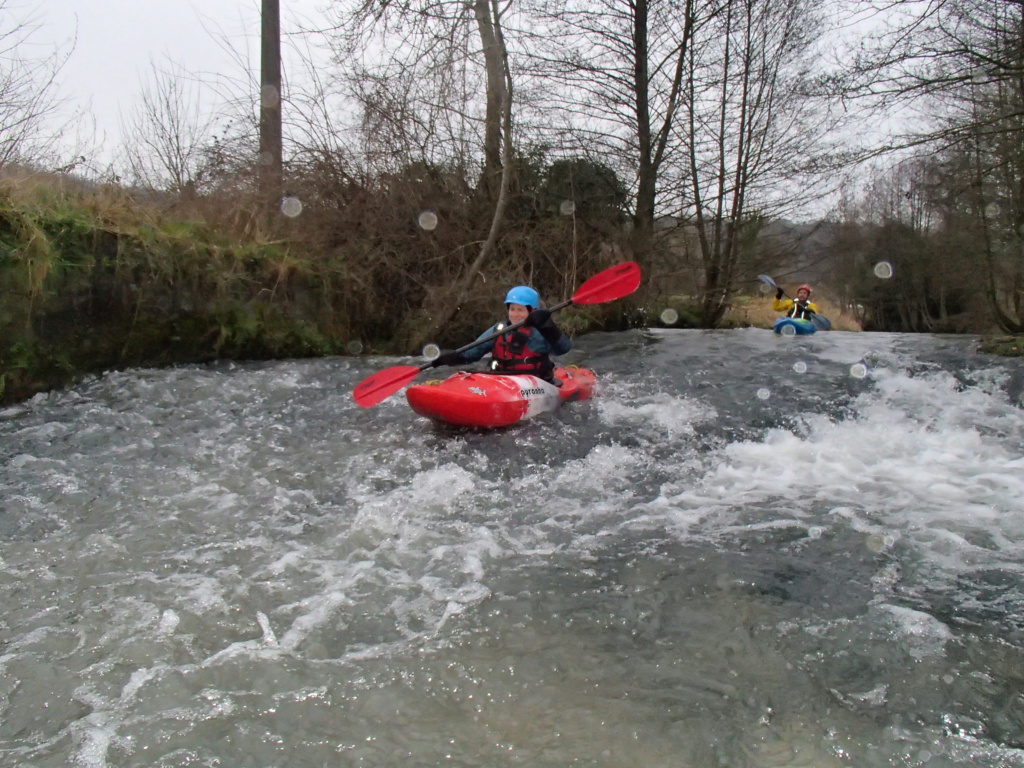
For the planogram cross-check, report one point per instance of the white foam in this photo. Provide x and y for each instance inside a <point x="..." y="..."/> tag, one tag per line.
<point x="921" y="634"/>
<point x="672" y="416"/>
<point x="914" y="459"/>
<point x="317" y="611"/>
<point x="218" y="542"/>
<point x="169" y="621"/>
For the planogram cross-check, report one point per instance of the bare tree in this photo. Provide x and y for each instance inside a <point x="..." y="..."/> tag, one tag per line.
<point x="412" y="68"/>
<point x="611" y="87"/>
<point x="899" y="226"/>
<point x="30" y="105"/>
<point x="703" y="103"/>
<point x="427" y="79"/>
<point x="753" y="135"/>
<point x="958" y="66"/>
<point x="167" y="135"/>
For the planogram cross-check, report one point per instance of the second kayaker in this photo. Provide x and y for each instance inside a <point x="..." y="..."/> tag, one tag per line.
<point x="802" y="308"/>
<point x="526" y="349"/>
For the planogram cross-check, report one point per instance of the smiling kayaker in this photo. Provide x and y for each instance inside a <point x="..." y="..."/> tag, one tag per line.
<point x="526" y="349"/>
<point x="801" y="309"/>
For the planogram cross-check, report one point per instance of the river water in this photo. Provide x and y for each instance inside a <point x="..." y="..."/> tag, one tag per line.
<point x="748" y="551"/>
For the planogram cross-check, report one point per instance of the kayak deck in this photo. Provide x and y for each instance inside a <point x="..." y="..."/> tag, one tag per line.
<point x="798" y="326"/>
<point x="474" y="399"/>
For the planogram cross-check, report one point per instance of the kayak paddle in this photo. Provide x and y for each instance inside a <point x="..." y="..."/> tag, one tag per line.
<point x="607" y="285"/>
<point x="820" y="322"/>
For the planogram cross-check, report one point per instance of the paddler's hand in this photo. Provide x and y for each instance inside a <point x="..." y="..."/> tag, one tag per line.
<point x="446" y="358"/>
<point x="538" y="318"/>
<point x="779" y="294"/>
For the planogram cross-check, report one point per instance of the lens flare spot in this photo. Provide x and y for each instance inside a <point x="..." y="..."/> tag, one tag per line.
<point x="354" y="347"/>
<point x="291" y="206"/>
<point x="431" y="351"/>
<point x="875" y="543"/>
<point x="883" y="270"/>
<point x="764" y="393"/>
<point x="669" y="316"/>
<point x="800" y="366"/>
<point x="427" y="221"/>
<point x="269" y="96"/>
<point x="567" y="208"/>
<point x="859" y="371"/>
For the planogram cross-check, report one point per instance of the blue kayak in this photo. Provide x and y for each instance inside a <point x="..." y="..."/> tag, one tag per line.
<point x="798" y="326"/>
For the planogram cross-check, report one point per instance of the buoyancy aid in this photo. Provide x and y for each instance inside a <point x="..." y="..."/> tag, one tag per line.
<point x="800" y="311"/>
<point x="512" y="355"/>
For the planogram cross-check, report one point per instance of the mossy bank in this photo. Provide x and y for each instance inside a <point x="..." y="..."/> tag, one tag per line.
<point x="94" y="280"/>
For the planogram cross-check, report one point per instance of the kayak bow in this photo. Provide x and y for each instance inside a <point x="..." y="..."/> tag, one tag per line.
<point x="489" y="400"/>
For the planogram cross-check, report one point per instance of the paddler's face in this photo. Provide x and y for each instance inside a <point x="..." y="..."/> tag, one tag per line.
<point x="517" y="313"/>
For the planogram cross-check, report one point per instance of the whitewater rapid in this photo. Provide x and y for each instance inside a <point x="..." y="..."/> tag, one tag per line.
<point x="748" y="550"/>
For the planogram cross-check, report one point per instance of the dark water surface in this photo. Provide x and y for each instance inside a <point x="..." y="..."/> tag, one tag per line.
<point x="748" y="551"/>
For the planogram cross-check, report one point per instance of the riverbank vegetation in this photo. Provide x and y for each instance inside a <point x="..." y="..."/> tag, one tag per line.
<point x="449" y="156"/>
<point x="94" y="277"/>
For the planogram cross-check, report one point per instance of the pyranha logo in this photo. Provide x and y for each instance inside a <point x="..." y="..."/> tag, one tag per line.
<point x="477" y="391"/>
<point x="531" y="391"/>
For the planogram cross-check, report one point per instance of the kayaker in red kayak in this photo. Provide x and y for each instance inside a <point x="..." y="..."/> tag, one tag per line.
<point x="801" y="309"/>
<point x="526" y="349"/>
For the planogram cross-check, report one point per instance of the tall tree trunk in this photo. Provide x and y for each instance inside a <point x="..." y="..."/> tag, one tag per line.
<point x="499" y="89"/>
<point x="271" y="172"/>
<point x="647" y="172"/>
<point x="497" y="95"/>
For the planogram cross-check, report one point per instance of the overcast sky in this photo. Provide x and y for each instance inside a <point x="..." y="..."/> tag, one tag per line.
<point x="118" y="40"/>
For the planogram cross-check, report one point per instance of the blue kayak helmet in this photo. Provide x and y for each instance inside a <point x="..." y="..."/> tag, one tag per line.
<point x="525" y="295"/>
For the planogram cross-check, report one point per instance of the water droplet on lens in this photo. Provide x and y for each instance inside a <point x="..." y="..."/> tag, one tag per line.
<point x="291" y="206"/>
<point x="354" y="347"/>
<point x="815" y="532"/>
<point x="269" y="96"/>
<point x="789" y="330"/>
<point x="669" y="316"/>
<point x="858" y="370"/>
<point x="800" y="367"/>
<point x="431" y="351"/>
<point x="764" y="393"/>
<point x="883" y="270"/>
<point x="427" y="220"/>
<point x="567" y="208"/>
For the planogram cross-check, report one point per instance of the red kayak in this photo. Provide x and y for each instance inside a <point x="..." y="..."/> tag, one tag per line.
<point x="468" y="399"/>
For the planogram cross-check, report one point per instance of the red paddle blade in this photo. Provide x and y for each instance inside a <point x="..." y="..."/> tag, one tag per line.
<point x="613" y="283"/>
<point x="383" y="384"/>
